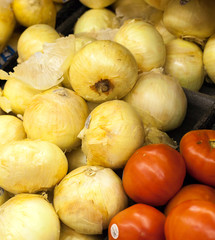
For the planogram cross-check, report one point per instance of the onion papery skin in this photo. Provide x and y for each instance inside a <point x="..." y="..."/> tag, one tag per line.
<point x="97" y="3"/>
<point x="159" y="100"/>
<point x="28" y="216"/>
<point x="159" y="4"/>
<point x="184" y="62"/>
<point x="103" y="70"/>
<point x="76" y="158"/>
<point x="166" y="35"/>
<point x="144" y="42"/>
<point x="56" y="115"/>
<point x="113" y="131"/>
<point x="193" y="19"/>
<point x="88" y="197"/>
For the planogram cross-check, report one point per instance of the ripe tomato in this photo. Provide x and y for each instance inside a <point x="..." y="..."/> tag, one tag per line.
<point x="137" y="222"/>
<point x="191" y="220"/>
<point x="198" y="150"/>
<point x="191" y="192"/>
<point x="153" y="174"/>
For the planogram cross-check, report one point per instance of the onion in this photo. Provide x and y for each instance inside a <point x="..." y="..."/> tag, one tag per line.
<point x="88" y="197"/>
<point x="160" y="101"/>
<point x="30" y="12"/>
<point x="76" y="158"/>
<point x="144" y="42"/>
<point x="119" y="3"/>
<point x="159" y="4"/>
<point x="4" y="196"/>
<point x="184" y="62"/>
<point x="112" y="132"/>
<point x="32" y="39"/>
<point x="11" y="129"/>
<point x="97" y="3"/>
<point x="28" y="216"/>
<point x="96" y="19"/>
<point x="103" y="70"/>
<point x="56" y="115"/>
<point x="31" y="166"/>
<point x="190" y="18"/>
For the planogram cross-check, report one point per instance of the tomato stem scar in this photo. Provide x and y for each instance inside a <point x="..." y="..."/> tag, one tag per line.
<point x="212" y="143"/>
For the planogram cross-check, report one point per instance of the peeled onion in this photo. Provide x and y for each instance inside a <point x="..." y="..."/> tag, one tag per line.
<point x="159" y="99"/>
<point x="97" y="3"/>
<point x="88" y="197"/>
<point x="4" y="196"/>
<point x="28" y="216"/>
<point x="31" y="166"/>
<point x="112" y="132"/>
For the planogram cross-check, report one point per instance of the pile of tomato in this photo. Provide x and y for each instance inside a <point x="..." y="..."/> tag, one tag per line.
<point x="166" y="206"/>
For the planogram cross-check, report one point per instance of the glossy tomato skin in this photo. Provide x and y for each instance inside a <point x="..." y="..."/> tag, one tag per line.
<point x="198" y="150"/>
<point x="137" y="222"/>
<point x="191" y="192"/>
<point x="191" y="220"/>
<point x="154" y="174"/>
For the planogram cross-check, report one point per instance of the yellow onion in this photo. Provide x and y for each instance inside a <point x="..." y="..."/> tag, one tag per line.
<point x="103" y="70"/>
<point x="31" y="166"/>
<point x="119" y="3"/>
<point x="97" y="3"/>
<point x="88" y="197"/>
<point x="144" y="42"/>
<point x="209" y="57"/>
<point x="4" y="196"/>
<point x="28" y="216"/>
<point x="7" y="23"/>
<point x="33" y="38"/>
<point x="76" y="158"/>
<point x="11" y="129"/>
<point x="30" y="12"/>
<point x="67" y="233"/>
<point x="112" y="132"/>
<point x="159" y="99"/>
<point x="190" y="18"/>
<point x="56" y="115"/>
<point x="96" y="19"/>
<point x="159" y="4"/>
<point x="184" y="62"/>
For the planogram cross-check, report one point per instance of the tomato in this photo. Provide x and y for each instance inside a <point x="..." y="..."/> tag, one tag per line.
<point x="198" y="150"/>
<point x="191" y="220"/>
<point x="191" y="192"/>
<point x="153" y="174"/>
<point x="137" y="222"/>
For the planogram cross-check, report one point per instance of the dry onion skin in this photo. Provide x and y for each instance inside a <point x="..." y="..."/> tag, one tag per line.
<point x="28" y="216"/>
<point x="119" y="3"/>
<point x="144" y="42"/>
<point x="113" y="131"/>
<point x="88" y="197"/>
<point x="190" y="18"/>
<point x="103" y="70"/>
<point x="11" y="129"/>
<point x="76" y="158"/>
<point x="30" y="12"/>
<point x="159" y="4"/>
<point x="184" y="62"/>
<point x="31" y="166"/>
<point x="56" y="115"/>
<point x="95" y="20"/>
<point x="97" y="3"/>
<point x="32" y="39"/>
<point x="4" y="196"/>
<point x="159" y="100"/>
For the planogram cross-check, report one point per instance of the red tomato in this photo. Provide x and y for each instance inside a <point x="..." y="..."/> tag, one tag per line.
<point x="191" y="192"/>
<point x="198" y="150"/>
<point x="153" y="174"/>
<point x="191" y="220"/>
<point x="138" y="222"/>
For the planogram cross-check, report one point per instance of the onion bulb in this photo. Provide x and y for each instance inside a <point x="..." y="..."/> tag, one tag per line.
<point x="31" y="166"/>
<point x="32" y="39"/>
<point x="166" y="35"/>
<point x="11" y="129"/>
<point x="4" y="196"/>
<point x="7" y="23"/>
<point x="184" y="62"/>
<point x="56" y="115"/>
<point x="103" y="70"/>
<point x="119" y="3"/>
<point x="88" y="197"/>
<point x="209" y="57"/>
<point x="97" y="3"/>
<point x="28" y="216"/>
<point x="190" y="18"/>
<point x="112" y="132"/>
<point x="144" y="42"/>
<point x="30" y="12"/>
<point x="95" y="20"/>
<point x="159" y="99"/>
<point x="76" y="158"/>
<point x="159" y="4"/>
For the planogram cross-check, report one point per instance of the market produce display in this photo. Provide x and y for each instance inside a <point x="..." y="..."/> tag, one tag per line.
<point x="95" y="103"/>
